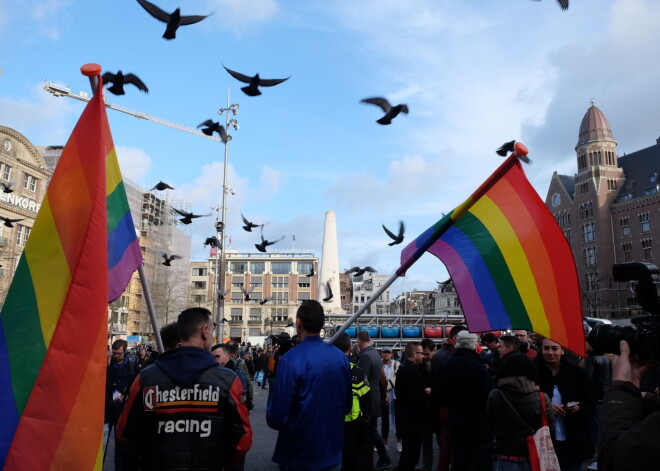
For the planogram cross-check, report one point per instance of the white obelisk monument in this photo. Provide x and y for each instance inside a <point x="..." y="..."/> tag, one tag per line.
<point x="329" y="272"/>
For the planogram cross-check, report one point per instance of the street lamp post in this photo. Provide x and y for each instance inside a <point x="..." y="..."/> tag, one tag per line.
<point x="221" y="225"/>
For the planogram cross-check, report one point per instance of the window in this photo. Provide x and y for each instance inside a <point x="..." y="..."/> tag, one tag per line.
<point x="280" y="282"/>
<point x="626" y="247"/>
<point x="589" y="232"/>
<point x="305" y="268"/>
<point x="644" y="222"/>
<point x="590" y="258"/>
<point x="198" y="299"/>
<point x="611" y="184"/>
<point x="238" y="267"/>
<point x="256" y="282"/>
<point x="647" y="249"/>
<point x="199" y="271"/>
<point x="257" y="268"/>
<point x="586" y="210"/>
<point x="199" y="285"/>
<point x="303" y="295"/>
<point x="29" y="182"/>
<point x="280" y="268"/>
<point x="22" y="233"/>
<point x="567" y="234"/>
<point x="584" y="188"/>
<point x="6" y="172"/>
<point x="236" y="314"/>
<point x="255" y="315"/>
<point x="625" y="226"/>
<point x="304" y="282"/>
<point x="281" y="297"/>
<point x="237" y="284"/>
<point x="591" y="281"/>
<point x="279" y="314"/>
<point x="236" y="298"/>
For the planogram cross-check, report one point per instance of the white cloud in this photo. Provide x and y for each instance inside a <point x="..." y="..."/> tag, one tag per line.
<point x="239" y="15"/>
<point x="134" y="163"/>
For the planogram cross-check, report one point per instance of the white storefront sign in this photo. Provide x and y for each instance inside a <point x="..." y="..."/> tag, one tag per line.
<point x="20" y="201"/>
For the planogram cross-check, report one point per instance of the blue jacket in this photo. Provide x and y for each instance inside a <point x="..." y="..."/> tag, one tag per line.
<point x="311" y="396"/>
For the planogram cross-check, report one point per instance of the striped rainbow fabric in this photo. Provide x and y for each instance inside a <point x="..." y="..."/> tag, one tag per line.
<point x="510" y="262"/>
<point x="53" y="325"/>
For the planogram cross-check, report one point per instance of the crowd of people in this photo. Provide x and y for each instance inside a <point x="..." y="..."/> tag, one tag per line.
<point x="336" y="407"/>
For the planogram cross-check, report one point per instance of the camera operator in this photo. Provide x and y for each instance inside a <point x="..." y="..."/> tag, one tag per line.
<point x="629" y="433"/>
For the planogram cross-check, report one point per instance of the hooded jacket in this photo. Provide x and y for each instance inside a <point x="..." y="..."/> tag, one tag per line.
<point x="185" y="412"/>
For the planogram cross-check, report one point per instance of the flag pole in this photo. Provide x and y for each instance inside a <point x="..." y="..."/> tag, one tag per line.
<point x="93" y="71"/>
<point x="520" y="150"/>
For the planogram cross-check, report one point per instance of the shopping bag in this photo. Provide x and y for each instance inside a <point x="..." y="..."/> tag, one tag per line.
<point x="542" y="456"/>
<point x="260" y="377"/>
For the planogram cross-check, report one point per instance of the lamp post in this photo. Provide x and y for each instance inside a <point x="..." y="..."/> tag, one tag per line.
<point x="221" y="225"/>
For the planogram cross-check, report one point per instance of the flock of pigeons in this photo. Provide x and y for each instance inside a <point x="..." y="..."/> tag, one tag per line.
<point x="174" y="20"/>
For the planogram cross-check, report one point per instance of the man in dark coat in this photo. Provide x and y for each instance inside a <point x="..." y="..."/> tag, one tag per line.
<point x="464" y="388"/>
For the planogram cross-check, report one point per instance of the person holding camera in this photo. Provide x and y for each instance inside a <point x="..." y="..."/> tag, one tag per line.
<point x="629" y="423"/>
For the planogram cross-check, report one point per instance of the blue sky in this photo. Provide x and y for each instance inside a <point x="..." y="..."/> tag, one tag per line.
<point x="474" y="73"/>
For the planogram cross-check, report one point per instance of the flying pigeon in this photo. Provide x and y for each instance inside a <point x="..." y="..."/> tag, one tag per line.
<point x="254" y="82"/>
<point x="507" y="147"/>
<point x="8" y="221"/>
<point x="562" y="3"/>
<point x="118" y="81"/>
<point x="398" y="238"/>
<point x="328" y="292"/>
<point x="311" y="273"/>
<point x="265" y="300"/>
<point x="173" y="20"/>
<point x="360" y="271"/>
<point x="213" y="126"/>
<point x="391" y="112"/>
<point x="169" y="259"/>
<point x="249" y="225"/>
<point x="7" y="187"/>
<point x="222" y="294"/>
<point x="160" y="186"/>
<point x="265" y="243"/>
<point x="247" y="292"/>
<point x="212" y="241"/>
<point x="188" y="217"/>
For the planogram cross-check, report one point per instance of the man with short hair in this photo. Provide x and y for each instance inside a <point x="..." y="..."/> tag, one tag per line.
<point x="311" y="397"/>
<point x="369" y="360"/>
<point x="184" y="412"/>
<point x="525" y="343"/>
<point x="508" y="344"/>
<point x="222" y="354"/>
<point x="240" y="364"/>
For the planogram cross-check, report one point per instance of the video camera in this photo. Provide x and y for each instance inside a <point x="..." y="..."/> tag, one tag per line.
<point x="284" y="341"/>
<point x="644" y="337"/>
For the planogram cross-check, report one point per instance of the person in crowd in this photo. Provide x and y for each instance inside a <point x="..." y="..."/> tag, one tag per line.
<point x="369" y="360"/>
<point x="630" y="421"/>
<point x="185" y="412"/>
<point x="490" y="355"/>
<point x="514" y="411"/>
<point x="572" y="405"/>
<point x="508" y="345"/>
<point x="142" y="357"/>
<point x="268" y="365"/>
<point x="356" y="422"/>
<point x="439" y="415"/>
<point x="311" y="397"/>
<point x="412" y="395"/>
<point x="389" y="414"/>
<point x="249" y="363"/>
<point x="240" y="364"/>
<point x="526" y="346"/>
<point x="428" y="350"/>
<point x="464" y="387"/>
<point x="119" y="376"/>
<point x="222" y="354"/>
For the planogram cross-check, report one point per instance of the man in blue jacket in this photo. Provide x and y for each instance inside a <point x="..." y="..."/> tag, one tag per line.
<point x="312" y="394"/>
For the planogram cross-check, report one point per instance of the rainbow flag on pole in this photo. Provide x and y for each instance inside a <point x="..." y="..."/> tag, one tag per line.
<point x="53" y="325"/>
<point x="510" y="262"/>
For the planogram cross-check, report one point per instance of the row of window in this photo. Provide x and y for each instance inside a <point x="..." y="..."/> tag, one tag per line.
<point x="29" y="181"/>
<point x="596" y="158"/>
<point x="644" y="224"/>
<point x="647" y="250"/>
<point x="277" y="314"/>
<point x="257" y="268"/>
<point x="563" y="219"/>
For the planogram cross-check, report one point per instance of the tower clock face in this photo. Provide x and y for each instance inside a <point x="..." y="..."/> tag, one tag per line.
<point x="6" y="145"/>
<point x="556" y="199"/>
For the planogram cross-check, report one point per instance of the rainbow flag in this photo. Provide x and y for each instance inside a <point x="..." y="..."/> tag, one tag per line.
<point x="510" y="262"/>
<point x="53" y="325"/>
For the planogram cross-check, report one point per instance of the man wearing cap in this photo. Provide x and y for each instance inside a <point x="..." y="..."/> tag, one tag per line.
<point x="464" y="391"/>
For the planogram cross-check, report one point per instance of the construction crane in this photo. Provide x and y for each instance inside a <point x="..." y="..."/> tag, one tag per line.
<point x="61" y="90"/>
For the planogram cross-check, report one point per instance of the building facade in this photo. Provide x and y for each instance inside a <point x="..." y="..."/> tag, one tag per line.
<point x="364" y="288"/>
<point x="609" y="212"/>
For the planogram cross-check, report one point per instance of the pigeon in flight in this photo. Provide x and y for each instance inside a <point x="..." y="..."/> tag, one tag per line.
<point x="398" y="238"/>
<point x="214" y="126"/>
<point x="265" y="243"/>
<point x="254" y="82"/>
<point x="212" y="241"/>
<point x="160" y="186"/>
<point x="8" y="221"/>
<point x="265" y="300"/>
<point x="391" y="112"/>
<point x="188" y="217"/>
<point x="247" y="293"/>
<point x="222" y="294"/>
<point x="562" y="3"/>
<point x="168" y="259"/>
<point x="360" y="271"/>
<point x="7" y="187"/>
<point x="173" y="20"/>
<point x="328" y="292"/>
<point x="311" y="273"/>
<point x="118" y="81"/>
<point x="249" y="225"/>
<point x="507" y="147"/>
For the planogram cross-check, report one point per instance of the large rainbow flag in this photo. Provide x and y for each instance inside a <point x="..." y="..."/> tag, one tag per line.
<point x="510" y="262"/>
<point x="53" y="325"/>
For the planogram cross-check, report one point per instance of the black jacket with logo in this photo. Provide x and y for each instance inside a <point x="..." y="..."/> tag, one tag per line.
<point x="185" y="412"/>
